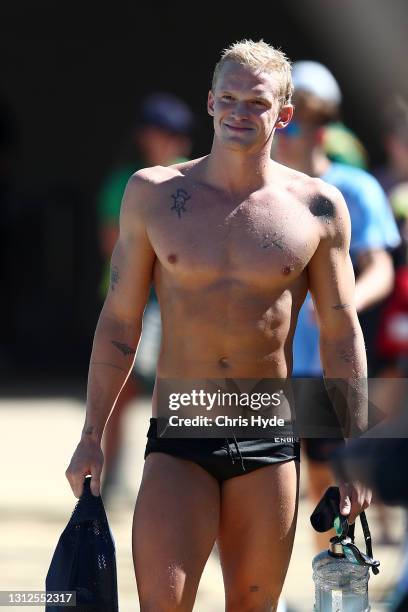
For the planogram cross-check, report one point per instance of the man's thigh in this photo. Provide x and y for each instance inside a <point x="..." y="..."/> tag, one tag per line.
<point x="175" y="525"/>
<point x="257" y="529"/>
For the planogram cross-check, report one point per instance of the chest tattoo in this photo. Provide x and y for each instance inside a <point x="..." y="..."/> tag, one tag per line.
<point x="274" y="240"/>
<point x="180" y="198"/>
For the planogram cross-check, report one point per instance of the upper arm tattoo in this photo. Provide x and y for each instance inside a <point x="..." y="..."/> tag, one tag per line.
<point x="123" y="348"/>
<point x="180" y="198"/>
<point x="114" y="277"/>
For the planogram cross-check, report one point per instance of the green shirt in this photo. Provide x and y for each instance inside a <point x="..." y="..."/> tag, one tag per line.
<point x="110" y="196"/>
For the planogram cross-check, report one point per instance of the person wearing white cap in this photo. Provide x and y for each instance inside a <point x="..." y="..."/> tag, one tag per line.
<point x="317" y="80"/>
<point x="317" y="98"/>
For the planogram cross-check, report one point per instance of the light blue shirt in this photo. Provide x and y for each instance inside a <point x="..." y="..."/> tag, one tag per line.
<point x="372" y="227"/>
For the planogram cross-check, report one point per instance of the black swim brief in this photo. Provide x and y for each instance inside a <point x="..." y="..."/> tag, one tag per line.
<point x="225" y="458"/>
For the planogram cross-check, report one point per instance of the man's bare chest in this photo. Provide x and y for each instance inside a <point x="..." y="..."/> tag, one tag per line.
<point x="256" y="240"/>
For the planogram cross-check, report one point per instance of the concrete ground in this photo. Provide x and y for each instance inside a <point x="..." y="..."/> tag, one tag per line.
<point x="38" y="437"/>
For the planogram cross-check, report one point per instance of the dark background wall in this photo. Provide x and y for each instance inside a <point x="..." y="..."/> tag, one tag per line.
<point x="71" y="78"/>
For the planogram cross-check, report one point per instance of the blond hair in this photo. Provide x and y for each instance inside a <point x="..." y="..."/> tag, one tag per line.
<point x="259" y="56"/>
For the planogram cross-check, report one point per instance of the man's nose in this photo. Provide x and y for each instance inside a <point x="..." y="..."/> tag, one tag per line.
<point x="240" y="110"/>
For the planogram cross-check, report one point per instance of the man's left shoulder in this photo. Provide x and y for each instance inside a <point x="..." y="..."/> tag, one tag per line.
<point x="326" y="202"/>
<point x="323" y="199"/>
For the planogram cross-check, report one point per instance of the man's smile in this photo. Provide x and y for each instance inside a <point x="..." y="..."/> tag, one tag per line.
<point x="236" y="128"/>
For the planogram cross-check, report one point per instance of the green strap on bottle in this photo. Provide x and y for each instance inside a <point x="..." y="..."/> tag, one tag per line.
<point x="345" y="537"/>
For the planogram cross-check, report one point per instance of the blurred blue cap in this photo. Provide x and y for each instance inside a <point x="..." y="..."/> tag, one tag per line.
<point x="168" y="112"/>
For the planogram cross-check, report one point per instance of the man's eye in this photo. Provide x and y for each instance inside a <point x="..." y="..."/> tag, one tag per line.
<point x="258" y="103"/>
<point x="226" y="97"/>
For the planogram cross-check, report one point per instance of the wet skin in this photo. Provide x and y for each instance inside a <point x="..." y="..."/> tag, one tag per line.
<point x="231" y="275"/>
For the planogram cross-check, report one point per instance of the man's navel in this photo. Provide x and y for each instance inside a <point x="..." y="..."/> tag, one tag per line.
<point x="223" y="362"/>
<point x="172" y="258"/>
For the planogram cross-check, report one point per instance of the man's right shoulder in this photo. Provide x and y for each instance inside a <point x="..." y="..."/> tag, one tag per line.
<point x="153" y="176"/>
<point x="144" y="187"/>
<point x="147" y="179"/>
<point x="144" y="190"/>
<point x="157" y="175"/>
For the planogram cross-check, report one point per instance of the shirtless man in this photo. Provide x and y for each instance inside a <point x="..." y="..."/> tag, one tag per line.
<point x="232" y="242"/>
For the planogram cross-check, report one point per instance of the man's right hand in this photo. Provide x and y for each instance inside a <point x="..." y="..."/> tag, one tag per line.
<point x="87" y="459"/>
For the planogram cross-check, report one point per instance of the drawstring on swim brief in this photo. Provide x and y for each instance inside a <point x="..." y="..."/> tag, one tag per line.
<point x="230" y="454"/>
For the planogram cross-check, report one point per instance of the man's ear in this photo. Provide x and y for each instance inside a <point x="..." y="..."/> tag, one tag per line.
<point x="285" y="115"/>
<point x="210" y="103"/>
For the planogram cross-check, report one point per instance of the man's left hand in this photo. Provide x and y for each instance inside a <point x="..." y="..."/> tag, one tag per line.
<point x="354" y="498"/>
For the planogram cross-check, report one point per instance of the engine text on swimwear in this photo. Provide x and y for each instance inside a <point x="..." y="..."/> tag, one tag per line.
<point x="203" y="399"/>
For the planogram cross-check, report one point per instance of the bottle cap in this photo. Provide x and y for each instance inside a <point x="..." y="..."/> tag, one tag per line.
<point x="336" y="549"/>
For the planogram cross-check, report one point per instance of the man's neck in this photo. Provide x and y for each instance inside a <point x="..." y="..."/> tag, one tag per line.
<point x="238" y="172"/>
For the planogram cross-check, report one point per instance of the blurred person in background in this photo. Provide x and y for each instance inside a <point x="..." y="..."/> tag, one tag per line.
<point x="392" y="344"/>
<point x="341" y="145"/>
<point x="393" y="337"/>
<point x="317" y="100"/>
<point x="395" y="141"/>
<point x="389" y="391"/>
<point x="161" y="137"/>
